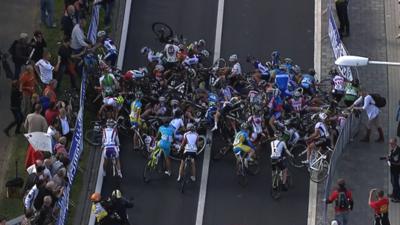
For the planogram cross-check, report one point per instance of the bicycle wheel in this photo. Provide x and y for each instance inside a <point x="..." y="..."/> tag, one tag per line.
<point x="321" y="172"/>
<point x="242" y="179"/>
<point x="299" y="153"/>
<point x="275" y="185"/>
<point x="220" y="153"/>
<point x="253" y="167"/>
<point x="162" y="31"/>
<point x="148" y="171"/>
<point x="93" y="137"/>
<point x="201" y="144"/>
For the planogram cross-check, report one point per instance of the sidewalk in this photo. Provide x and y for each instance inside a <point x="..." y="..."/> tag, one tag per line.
<point x="373" y="29"/>
<point x="15" y="17"/>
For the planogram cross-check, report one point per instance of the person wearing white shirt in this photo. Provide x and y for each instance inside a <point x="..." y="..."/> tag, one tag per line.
<point x="78" y="37"/>
<point x="373" y="115"/>
<point x="44" y="68"/>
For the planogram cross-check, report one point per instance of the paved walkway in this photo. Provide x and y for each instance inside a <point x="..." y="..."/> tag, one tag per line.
<point x="15" y="17"/>
<point x="373" y="26"/>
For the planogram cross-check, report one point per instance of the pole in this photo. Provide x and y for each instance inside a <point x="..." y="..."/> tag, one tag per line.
<point x="384" y="63"/>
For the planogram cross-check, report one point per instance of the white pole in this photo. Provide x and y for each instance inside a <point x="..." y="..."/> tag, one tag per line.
<point x="384" y="63"/>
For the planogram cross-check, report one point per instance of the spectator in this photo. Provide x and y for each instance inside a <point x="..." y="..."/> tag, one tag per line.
<point x="28" y="216"/>
<point x="373" y="115"/>
<point x="343" y="202"/>
<point x="34" y="176"/>
<point x="64" y="125"/>
<point x="60" y="178"/>
<point x="3" y="220"/>
<point x="68" y="21"/>
<point x="108" y="5"/>
<point x="35" y="121"/>
<point x="51" y="113"/>
<point x="60" y="147"/>
<point x="50" y="91"/>
<point x="27" y="85"/>
<point x="45" y="216"/>
<point x="52" y="130"/>
<point x="15" y="108"/>
<point x="45" y="175"/>
<point x="40" y="100"/>
<point x="47" y="13"/>
<point x="78" y="42"/>
<point x="49" y="189"/>
<point x="38" y="44"/>
<point x="44" y="68"/>
<point x="19" y="51"/>
<point x="30" y="198"/>
<point x="67" y="64"/>
<point x="394" y="164"/>
<point x="380" y="206"/>
<point x="341" y="10"/>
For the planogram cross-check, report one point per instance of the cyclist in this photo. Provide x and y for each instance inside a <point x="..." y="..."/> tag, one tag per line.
<point x="108" y="84"/>
<point x="320" y="137"/>
<point x="338" y="83"/>
<point x="171" y="58"/>
<point x="110" y="146"/>
<point x="151" y="56"/>
<point x="111" y="54"/>
<point x="177" y="123"/>
<point x="189" y="144"/>
<point x="136" y="110"/>
<point x="165" y="138"/>
<point x="242" y="145"/>
<point x="351" y="92"/>
<point x="111" y="107"/>
<point x="256" y="120"/>
<point x="276" y="107"/>
<point x="297" y="103"/>
<point x="307" y="82"/>
<point x="278" y="158"/>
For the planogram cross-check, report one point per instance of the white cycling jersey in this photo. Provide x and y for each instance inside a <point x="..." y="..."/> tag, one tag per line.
<point x="110" y="137"/>
<point x="338" y="83"/>
<point x="110" y="46"/>
<point x="256" y="122"/>
<point x="323" y="131"/>
<point x="171" y="51"/>
<point x="236" y="69"/>
<point x="177" y="123"/>
<point x="190" y="61"/>
<point x="277" y="148"/>
<point x="191" y="138"/>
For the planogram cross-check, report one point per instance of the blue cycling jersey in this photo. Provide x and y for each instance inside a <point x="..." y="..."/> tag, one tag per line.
<point x="281" y="81"/>
<point x="307" y="81"/>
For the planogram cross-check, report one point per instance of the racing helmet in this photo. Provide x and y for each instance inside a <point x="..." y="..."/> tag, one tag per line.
<point x="161" y="99"/>
<point x="190" y="126"/>
<point x="144" y="50"/>
<point x="201" y="43"/>
<point x="244" y="126"/>
<point x="174" y="102"/>
<point x="233" y="58"/>
<point x="212" y="98"/>
<point x="116" y="194"/>
<point x="110" y="123"/>
<point x="101" y="33"/>
<point x="120" y="100"/>
<point x="139" y="95"/>
<point x="278" y="134"/>
<point x="322" y="116"/>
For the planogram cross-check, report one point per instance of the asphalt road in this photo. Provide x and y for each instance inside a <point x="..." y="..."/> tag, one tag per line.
<point x="250" y="28"/>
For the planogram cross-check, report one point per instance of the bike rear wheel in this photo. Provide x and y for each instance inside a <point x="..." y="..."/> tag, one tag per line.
<point x="148" y="172"/>
<point x="185" y="178"/>
<point x="162" y="31"/>
<point x="321" y="173"/>
<point x="241" y="173"/>
<point x="276" y="185"/>
<point x="299" y="152"/>
<point x="201" y="144"/>
<point x="93" y="137"/>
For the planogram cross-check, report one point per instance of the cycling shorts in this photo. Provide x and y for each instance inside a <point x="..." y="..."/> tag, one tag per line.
<point x="323" y="142"/>
<point x="241" y="148"/>
<point x="280" y="163"/>
<point x="110" y="152"/>
<point x="191" y="154"/>
<point x="112" y="58"/>
<point x="165" y="146"/>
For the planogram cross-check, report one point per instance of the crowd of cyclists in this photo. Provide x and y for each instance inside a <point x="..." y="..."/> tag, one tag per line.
<point x="180" y="94"/>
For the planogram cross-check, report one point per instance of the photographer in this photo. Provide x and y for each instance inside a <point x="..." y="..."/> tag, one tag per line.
<point x="343" y="202"/>
<point x="393" y="160"/>
<point x="118" y="208"/>
<point x="380" y="206"/>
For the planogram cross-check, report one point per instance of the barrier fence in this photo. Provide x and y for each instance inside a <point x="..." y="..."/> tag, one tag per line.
<point x="351" y="124"/>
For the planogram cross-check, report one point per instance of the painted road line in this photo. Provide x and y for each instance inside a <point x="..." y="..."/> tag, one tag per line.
<point x="99" y="185"/>
<point x="218" y="31"/>
<point x="313" y="191"/>
<point x="124" y="34"/>
<point x="204" y="180"/>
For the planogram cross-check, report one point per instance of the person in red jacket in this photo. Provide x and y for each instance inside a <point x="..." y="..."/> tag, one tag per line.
<point x="343" y="202"/>
<point x="380" y="206"/>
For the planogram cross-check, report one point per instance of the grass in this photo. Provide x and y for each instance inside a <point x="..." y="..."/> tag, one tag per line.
<point x="13" y="207"/>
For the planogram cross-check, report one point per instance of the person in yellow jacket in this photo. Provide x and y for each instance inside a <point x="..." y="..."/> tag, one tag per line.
<point x="98" y="208"/>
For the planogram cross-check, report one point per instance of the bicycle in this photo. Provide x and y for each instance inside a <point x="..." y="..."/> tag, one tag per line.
<point x="186" y="173"/>
<point x="201" y="145"/>
<point x="277" y="180"/>
<point x="153" y="165"/>
<point x="319" y="165"/>
<point x="244" y="167"/>
<point x="165" y="34"/>
<point x="94" y="136"/>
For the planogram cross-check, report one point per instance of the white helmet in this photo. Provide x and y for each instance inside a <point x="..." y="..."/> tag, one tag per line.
<point x="161" y="99"/>
<point x="101" y="33"/>
<point x="174" y="102"/>
<point x="190" y="127"/>
<point x="159" y="67"/>
<point x="233" y="58"/>
<point x="144" y="50"/>
<point x="322" y="116"/>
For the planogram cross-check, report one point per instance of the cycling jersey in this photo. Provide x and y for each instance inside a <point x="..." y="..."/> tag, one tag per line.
<point x="256" y="123"/>
<point x="323" y="131"/>
<point x="242" y="142"/>
<point x="112" y="101"/>
<point x="277" y="148"/>
<point x="236" y="69"/>
<point x="111" y="51"/>
<point x="171" y="53"/>
<point x="191" y="138"/>
<point x="263" y="69"/>
<point x="107" y="82"/>
<point x="307" y="81"/>
<point x="176" y="123"/>
<point x="190" y="61"/>
<point x="297" y="104"/>
<point x="134" y="116"/>
<point x="154" y="56"/>
<point x="351" y="93"/>
<point x="282" y="81"/>
<point x="338" y="83"/>
<point x="167" y="134"/>
<point x="227" y="92"/>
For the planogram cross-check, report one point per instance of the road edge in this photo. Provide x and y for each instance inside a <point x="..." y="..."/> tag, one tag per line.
<point x="313" y="190"/>
<point x="124" y="34"/>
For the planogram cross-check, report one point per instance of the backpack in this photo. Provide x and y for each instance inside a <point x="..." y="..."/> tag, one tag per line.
<point x="342" y="201"/>
<point x="379" y="100"/>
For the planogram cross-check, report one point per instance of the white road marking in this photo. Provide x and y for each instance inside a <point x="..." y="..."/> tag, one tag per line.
<point x="218" y="31"/>
<point x="124" y="34"/>
<point x="99" y="185"/>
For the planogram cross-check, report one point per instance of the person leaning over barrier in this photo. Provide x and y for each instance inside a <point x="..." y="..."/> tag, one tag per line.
<point x="343" y="202"/>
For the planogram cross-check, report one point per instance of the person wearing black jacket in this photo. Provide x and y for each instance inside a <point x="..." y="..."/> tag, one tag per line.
<point x="19" y="51"/>
<point x="118" y="208"/>
<point x="38" y="44"/>
<point x="68" y="21"/>
<point x="394" y="163"/>
<point x="16" y="98"/>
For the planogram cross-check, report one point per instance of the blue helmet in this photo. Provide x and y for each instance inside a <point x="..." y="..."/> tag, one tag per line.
<point x="212" y="98"/>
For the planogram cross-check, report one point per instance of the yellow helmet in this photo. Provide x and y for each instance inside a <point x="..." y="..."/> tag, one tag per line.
<point x="120" y="100"/>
